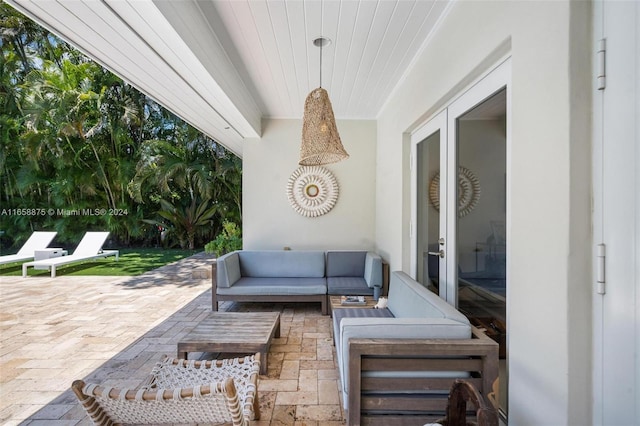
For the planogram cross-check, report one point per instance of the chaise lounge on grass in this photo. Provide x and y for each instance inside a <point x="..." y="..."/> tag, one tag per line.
<point x="38" y="240"/>
<point x="90" y="247"/>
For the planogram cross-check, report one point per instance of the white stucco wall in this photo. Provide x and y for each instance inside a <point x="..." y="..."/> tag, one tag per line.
<point x="549" y="185"/>
<point x="269" y="222"/>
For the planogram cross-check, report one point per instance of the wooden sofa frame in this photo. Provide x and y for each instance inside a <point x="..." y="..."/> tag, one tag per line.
<point x="215" y="298"/>
<point x="381" y="401"/>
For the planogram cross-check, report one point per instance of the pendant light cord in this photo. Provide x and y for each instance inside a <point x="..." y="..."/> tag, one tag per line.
<point x="321" y="43"/>
<point x="321" y="40"/>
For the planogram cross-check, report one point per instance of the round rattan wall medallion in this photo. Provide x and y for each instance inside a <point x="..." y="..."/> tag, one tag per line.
<point x="312" y="191"/>
<point x="468" y="191"/>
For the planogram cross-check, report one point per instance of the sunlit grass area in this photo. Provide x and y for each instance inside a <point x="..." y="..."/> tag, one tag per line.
<point x="132" y="262"/>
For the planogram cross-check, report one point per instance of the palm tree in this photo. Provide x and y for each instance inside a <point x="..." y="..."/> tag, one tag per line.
<point x="75" y="136"/>
<point x="186" y="222"/>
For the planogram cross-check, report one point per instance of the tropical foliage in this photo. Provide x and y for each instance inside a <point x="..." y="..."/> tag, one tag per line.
<point x="83" y="150"/>
<point x="228" y="240"/>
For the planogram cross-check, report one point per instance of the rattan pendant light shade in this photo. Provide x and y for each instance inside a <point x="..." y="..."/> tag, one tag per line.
<point x="321" y="142"/>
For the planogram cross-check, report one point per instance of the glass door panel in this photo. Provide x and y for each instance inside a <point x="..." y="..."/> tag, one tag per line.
<point x="428" y="222"/>
<point x="481" y="218"/>
<point x="481" y="236"/>
<point x="428" y="230"/>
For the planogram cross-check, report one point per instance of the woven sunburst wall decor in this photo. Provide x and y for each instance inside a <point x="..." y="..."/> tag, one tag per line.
<point x="468" y="191"/>
<point x="312" y="191"/>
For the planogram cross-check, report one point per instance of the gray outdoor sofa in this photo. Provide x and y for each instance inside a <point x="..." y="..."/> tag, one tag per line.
<point x="295" y="276"/>
<point x="398" y="364"/>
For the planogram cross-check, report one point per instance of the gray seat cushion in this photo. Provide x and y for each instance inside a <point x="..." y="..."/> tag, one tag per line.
<point x="348" y="286"/>
<point x="276" y="286"/>
<point x="339" y="314"/>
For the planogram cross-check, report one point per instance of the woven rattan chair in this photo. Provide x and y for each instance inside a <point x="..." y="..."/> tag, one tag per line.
<point x="180" y="391"/>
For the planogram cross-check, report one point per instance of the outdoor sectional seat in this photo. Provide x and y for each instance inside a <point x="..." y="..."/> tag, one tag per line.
<point x="354" y="273"/>
<point x="37" y="241"/>
<point x="270" y="276"/>
<point x="294" y="276"/>
<point x="90" y="247"/>
<point x="397" y="364"/>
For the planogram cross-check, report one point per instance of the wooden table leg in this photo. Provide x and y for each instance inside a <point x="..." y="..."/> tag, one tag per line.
<point x="263" y="363"/>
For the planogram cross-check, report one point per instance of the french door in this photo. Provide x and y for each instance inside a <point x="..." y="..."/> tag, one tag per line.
<point x="459" y="223"/>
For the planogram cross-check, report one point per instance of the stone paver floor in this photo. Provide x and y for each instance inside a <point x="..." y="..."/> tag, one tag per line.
<point x="113" y="329"/>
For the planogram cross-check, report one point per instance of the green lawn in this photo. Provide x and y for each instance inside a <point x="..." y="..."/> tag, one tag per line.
<point x="132" y="262"/>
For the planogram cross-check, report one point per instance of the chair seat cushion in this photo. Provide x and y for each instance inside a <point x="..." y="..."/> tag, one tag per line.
<point x="339" y="314"/>
<point x="348" y="286"/>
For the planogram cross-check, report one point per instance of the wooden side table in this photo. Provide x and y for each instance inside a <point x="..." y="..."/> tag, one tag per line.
<point x="334" y="302"/>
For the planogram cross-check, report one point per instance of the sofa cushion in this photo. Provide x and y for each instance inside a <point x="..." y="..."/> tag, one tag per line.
<point x="410" y="299"/>
<point x="276" y="286"/>
<point x="373" y="270"/>
<point x="228" y="269"/>
<point x="339" y="314"/>
<point x="282" y="263"/>
<point x="348" y="285"/>
<point x="345" y="263"/>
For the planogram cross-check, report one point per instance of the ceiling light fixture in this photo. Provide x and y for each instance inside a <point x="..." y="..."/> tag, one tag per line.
<point x="321" y="142"/>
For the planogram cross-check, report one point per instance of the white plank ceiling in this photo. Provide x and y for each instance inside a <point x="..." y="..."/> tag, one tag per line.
<point x="223" y="65"/>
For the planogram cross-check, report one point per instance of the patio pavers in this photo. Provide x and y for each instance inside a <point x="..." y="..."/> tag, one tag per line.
<point x="113" y="329"/>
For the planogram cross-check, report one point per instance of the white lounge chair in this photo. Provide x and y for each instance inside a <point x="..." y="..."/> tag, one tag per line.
<point x="90" y="247"/>
<point x="38" y="240"/>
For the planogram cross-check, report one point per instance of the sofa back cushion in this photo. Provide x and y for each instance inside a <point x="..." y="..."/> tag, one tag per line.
<point x="373" y="270"/>
<point x="281" y="263"/>
<point x="228" y="269"/>
<point x="345" y="263"/>
<point x="410" y="299"/>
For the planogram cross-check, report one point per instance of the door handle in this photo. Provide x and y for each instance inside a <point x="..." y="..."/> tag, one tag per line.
<point x="436" y="253"/>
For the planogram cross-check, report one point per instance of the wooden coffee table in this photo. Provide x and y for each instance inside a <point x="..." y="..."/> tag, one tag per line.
<point x="233" y="332"/>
